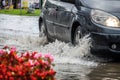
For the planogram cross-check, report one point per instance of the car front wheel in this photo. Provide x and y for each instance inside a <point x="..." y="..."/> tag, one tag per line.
<point x="42" y="29"/>
<point x="77" y="36"/>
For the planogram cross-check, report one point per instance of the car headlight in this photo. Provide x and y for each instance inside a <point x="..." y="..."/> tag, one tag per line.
<point x="105" y="18"/>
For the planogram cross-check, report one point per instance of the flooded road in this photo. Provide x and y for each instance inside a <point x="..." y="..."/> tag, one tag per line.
<point x="71" y="63"/>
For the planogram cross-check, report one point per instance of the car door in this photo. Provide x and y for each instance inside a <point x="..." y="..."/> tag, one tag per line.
<point x="50" y="16"/>
<point x="64" y="18"/>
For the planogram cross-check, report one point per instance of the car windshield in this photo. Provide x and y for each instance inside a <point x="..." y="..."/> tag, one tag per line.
<point x="110" y="5"/>
<point x="102" y="2"/>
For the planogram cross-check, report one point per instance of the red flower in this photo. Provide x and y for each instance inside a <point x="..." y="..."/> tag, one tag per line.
<point x="52" y="72"/>
<point x="20" y="73"/>
<point x="11" y="78"/>
<point x="33" y="78"/>
<point x="42" y="75"/>
<point x="5" y="47"/>
<point x="20" y="60"/>
<point x="9" y="74"/>
<point x="13" y="48"/>
<point x="29" y="66"/>
<point x="27" y="55"/>
<point x="2" y="52"/>
<point x="1" y="76"/>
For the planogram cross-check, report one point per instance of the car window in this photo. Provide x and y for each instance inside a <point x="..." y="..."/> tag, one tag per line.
<point x="69" y="1"/>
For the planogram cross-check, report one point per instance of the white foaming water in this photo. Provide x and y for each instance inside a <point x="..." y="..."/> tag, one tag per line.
<point x="63" y="52"/>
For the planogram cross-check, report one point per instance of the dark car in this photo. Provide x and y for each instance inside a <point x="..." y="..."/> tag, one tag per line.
<point x="69" y="20"/>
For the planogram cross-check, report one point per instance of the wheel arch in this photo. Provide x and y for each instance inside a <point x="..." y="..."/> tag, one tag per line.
<point x="74" y="27"/>
<point x="40" y="22"/>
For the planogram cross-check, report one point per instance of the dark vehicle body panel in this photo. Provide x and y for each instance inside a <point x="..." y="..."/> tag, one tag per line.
<point x="61" y="18"/>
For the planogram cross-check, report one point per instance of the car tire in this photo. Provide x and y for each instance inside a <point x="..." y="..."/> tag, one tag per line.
<point x="77" y="35"/>
<point x="40" y="24"/>
<point x="43" y="31"/>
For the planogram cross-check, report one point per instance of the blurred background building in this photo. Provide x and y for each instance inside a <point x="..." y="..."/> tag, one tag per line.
<point x="16" y="4"/>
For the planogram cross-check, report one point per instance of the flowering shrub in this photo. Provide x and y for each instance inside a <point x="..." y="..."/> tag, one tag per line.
<point x="28" y="66"/>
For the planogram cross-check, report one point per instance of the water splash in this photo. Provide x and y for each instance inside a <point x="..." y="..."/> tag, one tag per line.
<point x="63" y="52"/>
<point x="28" y="39"/>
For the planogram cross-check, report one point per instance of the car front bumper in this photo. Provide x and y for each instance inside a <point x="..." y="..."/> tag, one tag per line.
<point x="106" y="45"/>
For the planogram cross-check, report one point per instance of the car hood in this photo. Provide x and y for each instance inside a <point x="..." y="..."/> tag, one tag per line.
<point x="106" y="5"/>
